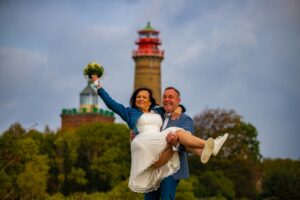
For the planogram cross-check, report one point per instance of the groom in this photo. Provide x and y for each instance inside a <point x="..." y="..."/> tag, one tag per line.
<point x="167" y="189"/>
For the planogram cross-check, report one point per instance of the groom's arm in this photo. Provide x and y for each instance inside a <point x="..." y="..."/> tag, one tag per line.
<point x="185" y="122"/>
<point x="188" y="125"/>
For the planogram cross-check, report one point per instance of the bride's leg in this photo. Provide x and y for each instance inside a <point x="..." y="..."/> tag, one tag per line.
<point x="188" y="140"/>
<point x="165" y="156"/>
<point x="192" y="142"/>
<point x="197" y="151"/>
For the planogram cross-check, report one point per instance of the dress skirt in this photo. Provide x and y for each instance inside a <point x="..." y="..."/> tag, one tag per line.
<point x="146" y="149"/>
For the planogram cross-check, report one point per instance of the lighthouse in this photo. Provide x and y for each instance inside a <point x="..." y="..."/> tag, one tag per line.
<point x="148" y="58"/>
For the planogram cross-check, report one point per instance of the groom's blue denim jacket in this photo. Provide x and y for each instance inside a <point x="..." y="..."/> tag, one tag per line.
<point x="131" y="115"/>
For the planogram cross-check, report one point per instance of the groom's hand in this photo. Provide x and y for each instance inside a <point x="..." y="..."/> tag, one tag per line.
<point x="172" y="139"/>
<point x="132" y="135"/>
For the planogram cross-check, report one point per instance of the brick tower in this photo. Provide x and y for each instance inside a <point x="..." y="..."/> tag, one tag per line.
<point x="147" y="61"/>
<point x="88" y="111"/>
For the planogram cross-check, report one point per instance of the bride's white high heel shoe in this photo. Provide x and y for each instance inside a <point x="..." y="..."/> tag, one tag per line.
<point x="207" y="150"/>
<point x="219" y="141"/>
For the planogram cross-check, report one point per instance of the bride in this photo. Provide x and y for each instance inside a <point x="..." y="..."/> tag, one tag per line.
<point x="152" y="158"/>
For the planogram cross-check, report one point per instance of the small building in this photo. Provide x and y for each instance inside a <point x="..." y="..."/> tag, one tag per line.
<point x="88" y="111"/>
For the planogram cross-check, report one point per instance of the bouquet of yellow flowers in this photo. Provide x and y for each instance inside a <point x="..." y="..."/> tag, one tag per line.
<point x="93" y="68"/>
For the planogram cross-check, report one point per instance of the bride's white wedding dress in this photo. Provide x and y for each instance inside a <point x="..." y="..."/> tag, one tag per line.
<point x="146" y="148"/>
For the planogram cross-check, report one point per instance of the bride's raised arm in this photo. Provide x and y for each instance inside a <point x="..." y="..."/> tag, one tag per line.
<point x="120" y="109"/>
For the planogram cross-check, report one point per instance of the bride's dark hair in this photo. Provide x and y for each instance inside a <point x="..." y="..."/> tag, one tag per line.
<point x="135" y="93"/>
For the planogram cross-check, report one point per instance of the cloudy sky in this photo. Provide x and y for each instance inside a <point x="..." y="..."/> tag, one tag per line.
<point x="241" y="55"/>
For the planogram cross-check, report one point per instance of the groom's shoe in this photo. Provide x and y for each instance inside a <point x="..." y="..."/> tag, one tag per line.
<point x="207" y="150"/>
<point x="219" y="141"/>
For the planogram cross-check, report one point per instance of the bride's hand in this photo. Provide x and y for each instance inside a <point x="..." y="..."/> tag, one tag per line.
<point x="96" y="81"/>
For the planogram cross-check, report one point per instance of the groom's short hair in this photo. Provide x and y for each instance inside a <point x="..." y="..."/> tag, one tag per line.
<point x="172" y="88"/>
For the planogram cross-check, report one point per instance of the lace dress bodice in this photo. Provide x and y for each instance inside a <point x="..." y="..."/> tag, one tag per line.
<point x="149" y="123"/>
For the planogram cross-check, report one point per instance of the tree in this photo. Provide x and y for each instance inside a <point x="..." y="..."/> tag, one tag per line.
<point x="16" y="129"/>
<point x="47" y="130"/>
<point x="281" y="179"/>
<point x="11" y="155"/>
<point x="33" y="181"/>
<point x="7" y="190"/>
<point x="215" y="183"/>
<point x="185" y="190"/>
<point x="77" y="175"/>
<point x="16" y="149"/>
<point x="22" y="164"/>
<point x="242" y="141"/>
<point x="240" y="156"/>
<point x="66" y="145"/>
<point x="121" y="191"/>
<point x="105" y="154"/>
<point x="93" y="158"/>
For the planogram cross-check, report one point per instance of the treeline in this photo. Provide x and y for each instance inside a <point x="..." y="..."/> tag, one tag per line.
<point x="93" y="162"/>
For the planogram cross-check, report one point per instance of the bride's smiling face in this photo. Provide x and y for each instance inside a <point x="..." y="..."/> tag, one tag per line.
<point x="142" y="101"/>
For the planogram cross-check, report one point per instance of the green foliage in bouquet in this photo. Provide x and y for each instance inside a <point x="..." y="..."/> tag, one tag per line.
<point x="93" y="69"/>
